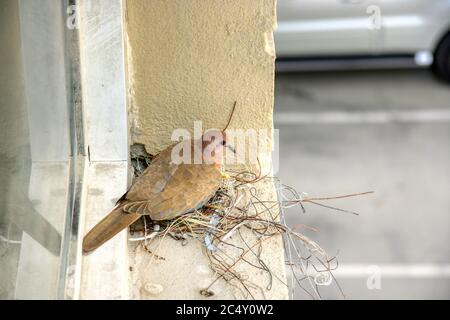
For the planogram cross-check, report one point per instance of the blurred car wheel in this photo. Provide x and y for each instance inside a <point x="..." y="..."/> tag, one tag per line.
<point x="441" y="65"/>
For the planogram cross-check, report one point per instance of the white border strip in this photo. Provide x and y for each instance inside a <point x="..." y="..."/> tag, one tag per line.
<point x="364" y="23"/>
<point x="352" y="117"/>
<point x="417" y="271"/>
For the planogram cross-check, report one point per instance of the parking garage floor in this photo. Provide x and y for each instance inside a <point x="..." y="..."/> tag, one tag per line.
<point x="386" y="131"/>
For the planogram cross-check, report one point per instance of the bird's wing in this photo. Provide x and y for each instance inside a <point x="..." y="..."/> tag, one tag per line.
<point x="154" y="179"/>
<point x="189" y="187"/>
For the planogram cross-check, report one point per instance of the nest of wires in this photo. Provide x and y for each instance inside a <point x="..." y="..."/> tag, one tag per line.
<point x="233" y="228"/>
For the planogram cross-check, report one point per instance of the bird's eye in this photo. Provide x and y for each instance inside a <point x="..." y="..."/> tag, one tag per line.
<point x="223" y="142"/>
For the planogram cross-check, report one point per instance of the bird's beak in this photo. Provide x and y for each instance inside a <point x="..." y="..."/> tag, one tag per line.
<point x="231" y="148"/>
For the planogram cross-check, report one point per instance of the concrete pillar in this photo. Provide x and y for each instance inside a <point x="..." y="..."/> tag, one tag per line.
<point x="188" y="61"/>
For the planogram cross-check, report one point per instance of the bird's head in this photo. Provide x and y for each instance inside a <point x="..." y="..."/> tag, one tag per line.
<point x="214" y="143"/>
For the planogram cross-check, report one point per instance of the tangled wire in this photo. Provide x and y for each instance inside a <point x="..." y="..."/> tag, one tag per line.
<point x="234" y="225"/>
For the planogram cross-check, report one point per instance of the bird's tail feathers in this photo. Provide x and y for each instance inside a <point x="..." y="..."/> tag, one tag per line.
<point x="108" y="227"/>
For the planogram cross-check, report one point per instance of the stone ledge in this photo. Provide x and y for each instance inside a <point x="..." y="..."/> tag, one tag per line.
<point x="105" y="272"/>
<point x="185" y="270"/>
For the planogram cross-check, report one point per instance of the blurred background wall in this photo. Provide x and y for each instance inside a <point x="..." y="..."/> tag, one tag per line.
<point x="15" y="148"/>
<point x="372" y="122"/>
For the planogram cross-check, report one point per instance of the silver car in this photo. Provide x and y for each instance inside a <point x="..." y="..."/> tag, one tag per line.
<point x="332" y="33"/>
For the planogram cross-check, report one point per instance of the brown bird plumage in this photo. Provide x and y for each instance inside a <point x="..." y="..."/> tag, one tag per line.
<point x="164" y="191"/>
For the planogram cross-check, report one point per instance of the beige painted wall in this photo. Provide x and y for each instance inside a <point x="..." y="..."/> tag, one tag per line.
<point x="191" y="59"/>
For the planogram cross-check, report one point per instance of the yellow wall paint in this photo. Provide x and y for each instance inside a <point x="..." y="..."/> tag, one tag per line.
<point x="191" y="59"/>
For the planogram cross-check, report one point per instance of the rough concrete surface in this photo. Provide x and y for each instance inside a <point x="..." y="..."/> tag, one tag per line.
<point x="188" y="61"/>
<point x="105" y="271"/>
<point x="185" y="270"/>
